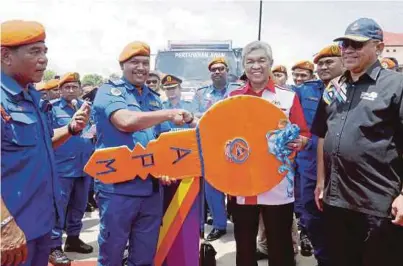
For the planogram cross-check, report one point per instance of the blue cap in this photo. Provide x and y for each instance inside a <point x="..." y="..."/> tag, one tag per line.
<point x="362" y="30"/>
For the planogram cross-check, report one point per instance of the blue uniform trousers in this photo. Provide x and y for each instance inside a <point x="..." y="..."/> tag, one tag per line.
<point x="216" y="203"/>
<point x="74" y="201"/>
<point x="313" y="220"/>
<point x="132" y="219"/>
<point x="38" y="251"/>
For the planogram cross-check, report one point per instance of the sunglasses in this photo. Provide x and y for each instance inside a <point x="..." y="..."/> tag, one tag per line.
<point x="353" y="44"/>
<point x="214" y="69"/>
<point x="152" y="81"/>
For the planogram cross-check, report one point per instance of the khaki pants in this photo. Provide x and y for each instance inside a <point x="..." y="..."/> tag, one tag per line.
<point x="262" y="241"/>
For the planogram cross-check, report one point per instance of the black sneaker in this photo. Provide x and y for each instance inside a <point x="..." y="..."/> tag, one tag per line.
<point x="58" y="258"/>
<point x="75" y="244"/>
<point x="306" y="246"/>
<point x="215" y="234"/>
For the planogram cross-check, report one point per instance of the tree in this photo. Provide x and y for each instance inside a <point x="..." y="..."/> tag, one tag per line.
<point x="93" y="79"/>
<point x="49" y="74"/>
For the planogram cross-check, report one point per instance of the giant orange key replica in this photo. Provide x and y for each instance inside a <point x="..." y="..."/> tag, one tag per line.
<point x="229" y="148"/>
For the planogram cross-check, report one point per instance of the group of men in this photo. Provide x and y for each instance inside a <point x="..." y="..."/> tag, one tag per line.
<point x="348" y="187"/>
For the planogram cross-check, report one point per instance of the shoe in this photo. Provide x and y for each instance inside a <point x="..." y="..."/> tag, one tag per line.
<point x="75" y="244"/>
<point x="306" y="246"/>
<point x="209" y="221"/>
<point x="260" y="255"/>
<point x="215" y="234"/>
<point x="89" y="208"/>
<point x="58" y="258"/>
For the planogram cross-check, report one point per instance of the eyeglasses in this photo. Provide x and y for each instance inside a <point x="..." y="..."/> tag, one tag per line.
<point x="154" y="81"/>
<point x="353" y="44"/>
<point x="214" y="69"/>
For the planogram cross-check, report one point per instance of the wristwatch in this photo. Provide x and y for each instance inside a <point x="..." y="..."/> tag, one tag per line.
<point x="71" y="131"/>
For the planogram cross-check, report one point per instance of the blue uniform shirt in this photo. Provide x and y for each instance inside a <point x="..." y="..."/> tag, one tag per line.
<point x="309" y="94"/>
<point x="181" y="105"/>
<point x="29" y="184"/>
<point x="205" y="97"/>
<point x="72" y="156"/>
<point x="113" y="96"/>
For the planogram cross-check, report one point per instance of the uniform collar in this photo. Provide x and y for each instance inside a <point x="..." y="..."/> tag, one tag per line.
<point x="372" y="72"/>
<point x="215" y="90"/>
<point x="270" y="86"/>
<point x="131" y="87"/>
<point x="10" y="85"/>
<point x="63" y="103"/>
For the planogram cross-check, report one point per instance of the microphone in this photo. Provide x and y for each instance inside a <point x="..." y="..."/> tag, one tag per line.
<point x="74" y="102"/>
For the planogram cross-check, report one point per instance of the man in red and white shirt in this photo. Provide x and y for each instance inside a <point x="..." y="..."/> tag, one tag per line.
<point x="275" y="205"/>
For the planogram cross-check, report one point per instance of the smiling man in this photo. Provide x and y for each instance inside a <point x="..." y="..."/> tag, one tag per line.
<point x="30" y="192"/>
<point x="128" y="112"/>
<point x="302" y="71"/>
<point x="360" y="165"/>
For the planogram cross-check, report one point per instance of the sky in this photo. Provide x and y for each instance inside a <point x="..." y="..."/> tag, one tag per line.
<point x="87" y="35"/>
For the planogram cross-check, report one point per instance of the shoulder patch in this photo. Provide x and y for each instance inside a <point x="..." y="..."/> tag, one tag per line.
<point x="115" y="91"/>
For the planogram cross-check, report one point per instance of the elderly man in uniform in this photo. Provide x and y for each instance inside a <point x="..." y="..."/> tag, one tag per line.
<point x="360" y="166"/>
<point x="329" y="66"/>
<point x="29" y="182"/>
<point x="302" y="71"/>
<point x="204" y="98"/>
<point x="127" y="112"/>
<point x="276" y="205"/>
<point x="280" y="73"/>
<point x="70" y="161"/>
<point x="172" y="87"/>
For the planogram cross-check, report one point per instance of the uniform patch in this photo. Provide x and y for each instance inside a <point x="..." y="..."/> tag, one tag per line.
<point x="154" y="103"/>
<point x="116" y="92"/>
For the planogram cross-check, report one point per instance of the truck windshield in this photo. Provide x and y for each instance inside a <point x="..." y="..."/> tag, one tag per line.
<point x="192" y="65"/>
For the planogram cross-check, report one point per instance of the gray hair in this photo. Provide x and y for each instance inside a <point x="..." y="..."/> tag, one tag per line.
<point x="255" y="45"/>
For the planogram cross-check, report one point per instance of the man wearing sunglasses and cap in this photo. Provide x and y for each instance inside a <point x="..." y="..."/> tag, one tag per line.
<point x="360" y="165"/>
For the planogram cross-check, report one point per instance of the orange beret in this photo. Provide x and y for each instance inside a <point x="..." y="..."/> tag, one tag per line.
<point x="19" y="32"/>
<point x="133" y="49"/>
<point x="51" y="84"/>
<point x="308" y="65"/>
<point x="387" y="63"/>
<point x="217" y="60"/>
<point x="329" y="51"/>
<point x="279" y="68"/>
<point x="69" y="77"/>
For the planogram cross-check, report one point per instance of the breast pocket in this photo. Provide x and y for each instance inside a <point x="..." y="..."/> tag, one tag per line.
<point x="23" y="129"/>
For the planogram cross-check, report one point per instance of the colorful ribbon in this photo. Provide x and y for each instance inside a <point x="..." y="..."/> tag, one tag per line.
<point x="277" y="141"/>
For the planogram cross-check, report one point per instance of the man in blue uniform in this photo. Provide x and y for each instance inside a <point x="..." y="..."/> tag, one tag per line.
<point x="70" y="161"/>
<point x="127" y="112"/>
<point x="203" y="99"/>
<point x="172" y="87"/>
<point x="329" y="66"/>
<point x="30" y="190"/>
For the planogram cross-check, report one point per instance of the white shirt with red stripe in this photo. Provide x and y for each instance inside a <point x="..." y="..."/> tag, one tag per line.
<point x="287" y="101"/>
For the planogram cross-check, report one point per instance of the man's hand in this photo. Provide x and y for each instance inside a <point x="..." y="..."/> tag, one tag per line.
<point x="14" y="249"/>
<point x="297" y="144"/>
<point x="397" y="210"/>
<point x="319" y="196"/>
<point x="81" y="117"/>
<point x="176" y="116"/>
<point x="165" y="180"/>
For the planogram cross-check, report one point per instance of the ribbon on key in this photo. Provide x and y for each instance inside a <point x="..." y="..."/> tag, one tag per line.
<point x="277" y="141"/>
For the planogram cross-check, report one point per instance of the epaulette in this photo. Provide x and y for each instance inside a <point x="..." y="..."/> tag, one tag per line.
<point x="117" y="82"/>
<point x="202" y="88"/>
<point x="156" y="93"/>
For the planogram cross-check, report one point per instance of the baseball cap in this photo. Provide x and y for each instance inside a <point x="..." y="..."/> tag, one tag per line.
<point x="362" y="30"/>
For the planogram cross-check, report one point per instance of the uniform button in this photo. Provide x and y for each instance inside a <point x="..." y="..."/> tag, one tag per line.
<point x="342" y="118"/>
<point x="338" y="134"/>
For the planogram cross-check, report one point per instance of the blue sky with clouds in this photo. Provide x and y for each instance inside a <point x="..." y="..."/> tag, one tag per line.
<point x="88" y="35"/>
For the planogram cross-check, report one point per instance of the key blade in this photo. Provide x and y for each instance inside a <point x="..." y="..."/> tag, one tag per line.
<point x="174" y="154"/>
